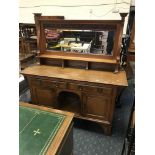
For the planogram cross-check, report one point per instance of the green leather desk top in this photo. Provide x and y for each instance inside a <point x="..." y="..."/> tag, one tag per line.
<point x="37" y="129"/>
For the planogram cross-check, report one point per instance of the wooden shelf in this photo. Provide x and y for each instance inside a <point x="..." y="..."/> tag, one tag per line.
<point x="76" y="58"/>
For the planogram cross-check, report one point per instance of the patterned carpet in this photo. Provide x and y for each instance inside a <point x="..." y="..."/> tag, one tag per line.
<point x="89" y="138"/>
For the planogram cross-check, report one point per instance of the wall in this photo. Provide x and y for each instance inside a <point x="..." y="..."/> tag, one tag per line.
<point x="132" y="2"/>
<point x="95" y="10"/>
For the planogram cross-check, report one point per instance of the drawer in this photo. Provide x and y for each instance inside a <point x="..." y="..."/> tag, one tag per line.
<point x="52" y="84"/>
<point x="90" y="89"/>
<point x="73" y="86"/>
<point x="47" y="83"/>
<point x="96" y="89"/>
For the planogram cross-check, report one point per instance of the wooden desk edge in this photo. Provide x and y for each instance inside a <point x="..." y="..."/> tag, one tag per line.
<point x="61" y="132"/>
<point x="26" y="72"/>
<point x="117" y="85"/>
<point x="46" y="109"/>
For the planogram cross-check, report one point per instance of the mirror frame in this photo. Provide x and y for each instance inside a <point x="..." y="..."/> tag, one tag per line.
<point x="59" y="22"/>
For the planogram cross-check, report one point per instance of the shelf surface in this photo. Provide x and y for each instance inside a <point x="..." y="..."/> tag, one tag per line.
<point x="76" y="58"/>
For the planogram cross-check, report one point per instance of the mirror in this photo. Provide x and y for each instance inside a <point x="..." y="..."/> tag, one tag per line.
<point x="80" y="41"/>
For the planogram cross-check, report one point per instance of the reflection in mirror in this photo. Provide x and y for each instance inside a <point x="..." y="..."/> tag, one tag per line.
<point x="81" y="41"/>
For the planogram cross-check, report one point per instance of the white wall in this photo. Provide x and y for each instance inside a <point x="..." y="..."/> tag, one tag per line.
<point x="132" y="2"/>
<point x="28" y="7"/>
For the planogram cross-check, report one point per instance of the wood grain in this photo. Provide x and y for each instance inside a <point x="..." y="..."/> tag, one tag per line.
<point x="64" y="57"/>
<point x="118" y="79"/>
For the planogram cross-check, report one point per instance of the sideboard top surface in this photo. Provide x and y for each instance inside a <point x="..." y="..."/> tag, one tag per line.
<point x="118" y="79"/>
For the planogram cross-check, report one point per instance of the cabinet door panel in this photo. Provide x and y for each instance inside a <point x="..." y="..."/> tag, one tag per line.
<point x="45" y="97"/>
<point x="97" y="106"/>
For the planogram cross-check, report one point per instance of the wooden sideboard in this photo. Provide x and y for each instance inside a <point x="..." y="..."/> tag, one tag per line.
<point x="95" y="91"/>
<point x="75" y="81"/>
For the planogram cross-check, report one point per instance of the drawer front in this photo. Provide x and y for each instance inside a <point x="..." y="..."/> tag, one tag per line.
<point x="74" y="86"/>
<point x="90" y="89"/>
<point x="47" y="84"/>
<point x="96" y="89"/>
<point x="52" y="84"/>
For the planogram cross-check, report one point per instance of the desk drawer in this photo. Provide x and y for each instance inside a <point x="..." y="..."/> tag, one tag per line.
<point x="74" y="86"/>
<point x="52" y="84"/>
<point x="96" y="89"/>
<point x="47" y="83"/>
<point x="89" y="89"/>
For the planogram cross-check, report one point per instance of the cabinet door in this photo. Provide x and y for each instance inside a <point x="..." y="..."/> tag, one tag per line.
<point x="97" y="106"/>
<point x="45" y="97"/>
<point x="43" y="92"/>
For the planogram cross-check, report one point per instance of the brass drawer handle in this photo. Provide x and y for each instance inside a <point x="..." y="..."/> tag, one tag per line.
<point x="56" y="86"/>
<point x="80" y="87"/>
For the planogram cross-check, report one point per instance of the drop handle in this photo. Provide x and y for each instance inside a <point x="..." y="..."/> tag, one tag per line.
<point x="56" y="86"/>
<point x="80" y="87"/>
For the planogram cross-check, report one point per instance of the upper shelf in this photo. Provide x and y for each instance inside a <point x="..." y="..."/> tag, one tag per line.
<point x="76" y="58"/>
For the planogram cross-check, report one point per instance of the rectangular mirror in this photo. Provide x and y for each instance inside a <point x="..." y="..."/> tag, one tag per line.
<point x="79" y="41"/>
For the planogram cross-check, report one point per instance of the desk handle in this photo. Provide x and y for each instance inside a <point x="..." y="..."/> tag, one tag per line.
<point x="56" y="85"/>
<point x="80" y="87"/>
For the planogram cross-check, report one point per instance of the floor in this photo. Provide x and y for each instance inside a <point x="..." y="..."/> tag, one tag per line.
<point x="88" y="137"/>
